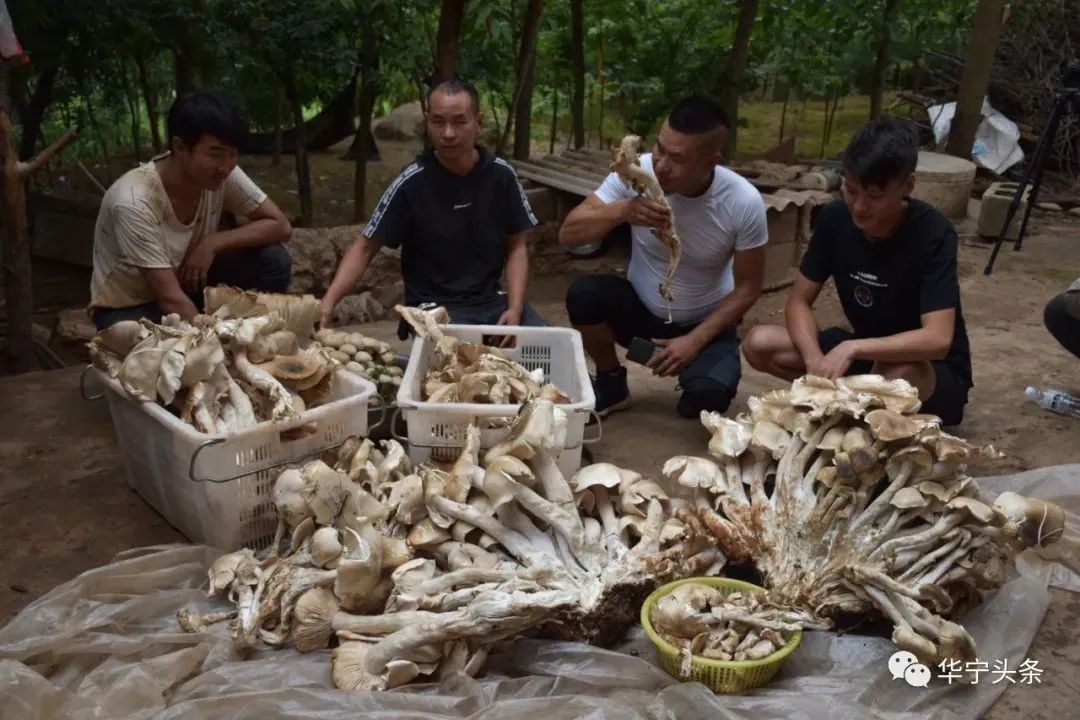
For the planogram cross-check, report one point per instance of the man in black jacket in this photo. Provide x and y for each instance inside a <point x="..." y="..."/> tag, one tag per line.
<point x="893" y="259"/>
<point x="459" y="215"/>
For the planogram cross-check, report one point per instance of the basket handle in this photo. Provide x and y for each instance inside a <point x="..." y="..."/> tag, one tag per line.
<point x="599" y="429"/>
<point x="250" y="470"/>
<point x="381" y="405"/>
<point x="393" y="426"/>
<point x="82" y="385"/>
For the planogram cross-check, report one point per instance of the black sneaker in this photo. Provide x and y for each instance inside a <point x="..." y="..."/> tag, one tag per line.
<point x="612" y="392"/>
<point x="692" y="402"/>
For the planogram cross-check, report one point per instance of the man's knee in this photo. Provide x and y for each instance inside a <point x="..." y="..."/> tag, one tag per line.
<point x="585" y="300"/>
<point x="919" y="374"/>
<point x="761" y="344"/>
<point x="1063" y="324"/>
<point x="275" y="268"/>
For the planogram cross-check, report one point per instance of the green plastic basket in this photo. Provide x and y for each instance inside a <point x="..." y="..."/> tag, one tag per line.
<point x="722" y="676"/>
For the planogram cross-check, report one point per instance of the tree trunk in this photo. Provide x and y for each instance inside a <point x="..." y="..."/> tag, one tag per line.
<point x="150" y="98"/>
<point x="131" y="95"/>
<point x="825" y="121"/>
<point x="31" y="119"/>
<point x="881" y="65"/>
<point x="783" y="112"/>
<point x="978" y="64"/>
<point x="600" y="76"/>
<point x="495" y="113"/>
<point x="300" y="152"/>
<point x="526" y="58"/>
<point x="554" y="120"/>
<point x="577" y="57"/>
<point x="15" y="268"/>
<point x="369" y="88"/>
<point x="729" y="82"/>
<point x="523" y="114"/>
<point x="92" y="116"/>
<point x="279" y="112"/>
<point x="448" y="39"/>
<point x="182" y="72"/>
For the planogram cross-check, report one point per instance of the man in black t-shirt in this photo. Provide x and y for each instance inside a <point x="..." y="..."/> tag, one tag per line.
<point x="893" y="259"/>
<point x="459" y="216"/>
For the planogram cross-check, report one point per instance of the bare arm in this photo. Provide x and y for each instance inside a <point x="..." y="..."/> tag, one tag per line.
<point x="801" y="324"/>
<point x="352" y="268"/>
<point x="517" y="275"/>
<point x="267" y="225"/>
<point x="749" y="267"/>
<point x="930" y="342"/>
<point x="170" y="296"/>
<point x="593" y="218"/>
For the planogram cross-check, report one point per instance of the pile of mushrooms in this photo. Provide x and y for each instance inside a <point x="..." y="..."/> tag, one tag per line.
<point x="468" y="372"/>
<point x="364" y="356"/>
<point x="700" y="620"/>
<point x="849" y="502"/>
<point x="624" y="162"/>
<point x="235" y="366"/>
<point x="418" y="571"/>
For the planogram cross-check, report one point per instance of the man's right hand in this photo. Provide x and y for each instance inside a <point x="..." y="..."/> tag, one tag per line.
<point x="326" y="312"/>
<point x="647" y="213"/>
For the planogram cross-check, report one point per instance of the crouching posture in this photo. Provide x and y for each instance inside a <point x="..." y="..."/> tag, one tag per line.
<point x="158" y="239"/>
<point x="893" y="259"/>
<point x="719" y="219"/>
<point x="459" y="216"/>
<point x="1062" y="318"/>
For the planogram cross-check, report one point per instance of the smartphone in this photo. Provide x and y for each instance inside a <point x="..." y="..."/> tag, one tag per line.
<point x="640" y="351"/>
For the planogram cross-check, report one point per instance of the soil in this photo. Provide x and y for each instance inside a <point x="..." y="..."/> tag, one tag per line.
<point x="64" y="498"/>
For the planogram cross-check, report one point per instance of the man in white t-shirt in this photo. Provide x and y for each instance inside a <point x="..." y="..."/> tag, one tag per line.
<point x="720" y="220"/>
<point x="158" y="239"/>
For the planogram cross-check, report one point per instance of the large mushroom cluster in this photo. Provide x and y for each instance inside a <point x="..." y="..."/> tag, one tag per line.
<point x="844" y="498"/>
<point x="469" y="372"/>
<point x="849" y="502"/>
<point x="239" y="364"/>
<point x="417" y="571"/>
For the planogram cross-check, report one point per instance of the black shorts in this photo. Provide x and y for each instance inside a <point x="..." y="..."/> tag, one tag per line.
<point x="611" y="300"/>
<point x="950" y="387"/>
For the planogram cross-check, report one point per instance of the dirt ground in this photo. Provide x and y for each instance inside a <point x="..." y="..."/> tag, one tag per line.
<point x="63" y="495"/>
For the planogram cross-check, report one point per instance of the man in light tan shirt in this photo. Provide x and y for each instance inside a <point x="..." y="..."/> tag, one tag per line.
<point x="157" y="241"/>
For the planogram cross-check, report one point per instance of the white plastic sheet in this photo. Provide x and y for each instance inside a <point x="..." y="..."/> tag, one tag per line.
<point x="997" y="139"/>
<point x="106" y="645"/>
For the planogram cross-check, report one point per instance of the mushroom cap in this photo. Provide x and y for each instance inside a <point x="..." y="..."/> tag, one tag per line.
<point x="294" y="367"/>
<point x="897" y="395"/>
<point x="729" y="438"/>
<point x="889" y="425"/>
<point x="605" y="474"/>
<point x="832" y="440"/>
<point x="312" y="617"/>
<point x="694" y="472"/>
<point x="978" y="510"/>
<point x="772" y="437"/>
<point x="908" y="497"/>
<point x="326" y="546"/>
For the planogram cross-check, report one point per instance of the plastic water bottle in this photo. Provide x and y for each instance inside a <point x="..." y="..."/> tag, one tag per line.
<point x="1055" y="400"/>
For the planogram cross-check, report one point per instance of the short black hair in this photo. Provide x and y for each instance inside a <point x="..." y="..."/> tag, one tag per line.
<point x="882" y="150"/>
<point x="453" y="86"/>
<point x="697" y="114"/>
<point x="202" y="112"/>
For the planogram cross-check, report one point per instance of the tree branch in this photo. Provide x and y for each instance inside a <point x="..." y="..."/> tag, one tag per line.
<point x="26" y="169"/>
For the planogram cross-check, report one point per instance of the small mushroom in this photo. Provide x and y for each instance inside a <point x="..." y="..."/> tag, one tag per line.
<point x="908" y="497"/>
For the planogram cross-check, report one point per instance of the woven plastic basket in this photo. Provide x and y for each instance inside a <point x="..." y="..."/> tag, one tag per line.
<point x="719" y="675"/>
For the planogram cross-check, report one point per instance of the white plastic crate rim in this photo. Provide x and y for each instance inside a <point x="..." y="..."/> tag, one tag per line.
<point x="215" y="489"/>
<point x="437" y="430"/>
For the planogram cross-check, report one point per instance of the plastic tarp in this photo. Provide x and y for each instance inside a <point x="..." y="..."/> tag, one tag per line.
<point x="107" y="645"/>
<point x="997" y="139"/>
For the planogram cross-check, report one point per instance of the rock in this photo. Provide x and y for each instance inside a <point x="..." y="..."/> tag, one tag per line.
<point x="390" y="294"/>
<point x="41" y="334"/>
<point x="358" y="309"/>
<point x="405" y="122"/>
<point x="73" y="330"/>
<point x="1048" y="206"/>
<point x="385" y="269"/>
<point x="1074" y="211"/>
<point x="314" y="260"/>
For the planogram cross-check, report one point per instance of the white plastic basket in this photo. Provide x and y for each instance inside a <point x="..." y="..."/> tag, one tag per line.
<point x="215" y="489"/>
<point x="437" y="430"/>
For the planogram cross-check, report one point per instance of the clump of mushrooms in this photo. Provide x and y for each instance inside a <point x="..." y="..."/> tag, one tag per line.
<point x="236" y="366"/>
<point x="849" y="502"/>
<point x="468" y="372"/>
<point x="418" y="571"/>
<point x="364" y="356"/>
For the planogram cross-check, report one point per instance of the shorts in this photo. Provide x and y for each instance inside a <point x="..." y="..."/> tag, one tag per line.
<point x="709" y="382"/>
<point x="950" y="386"/>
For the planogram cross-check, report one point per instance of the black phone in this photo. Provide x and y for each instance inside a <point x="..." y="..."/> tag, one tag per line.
<point x="640" y="351"/>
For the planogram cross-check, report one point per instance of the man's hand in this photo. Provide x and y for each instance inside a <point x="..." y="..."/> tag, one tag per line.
<point x="647" y="213"/>
<point x="510" y="317"/>
<point x="677" y="354"/>
<point x="197" y="264"/>
<point x="835" y="363"/>
<point x="326" y="312"/>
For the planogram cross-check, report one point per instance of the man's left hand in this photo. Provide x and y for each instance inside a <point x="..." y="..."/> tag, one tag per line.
<point x="838" y="360"/>
<point x="510" y="317"/>
<point x="677" y="353"/>
<point x="196" y="265"/>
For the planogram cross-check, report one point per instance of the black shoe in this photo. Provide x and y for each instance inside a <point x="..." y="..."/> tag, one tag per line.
<point x="692" y="402"/>
<point x="612" y="392"/>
